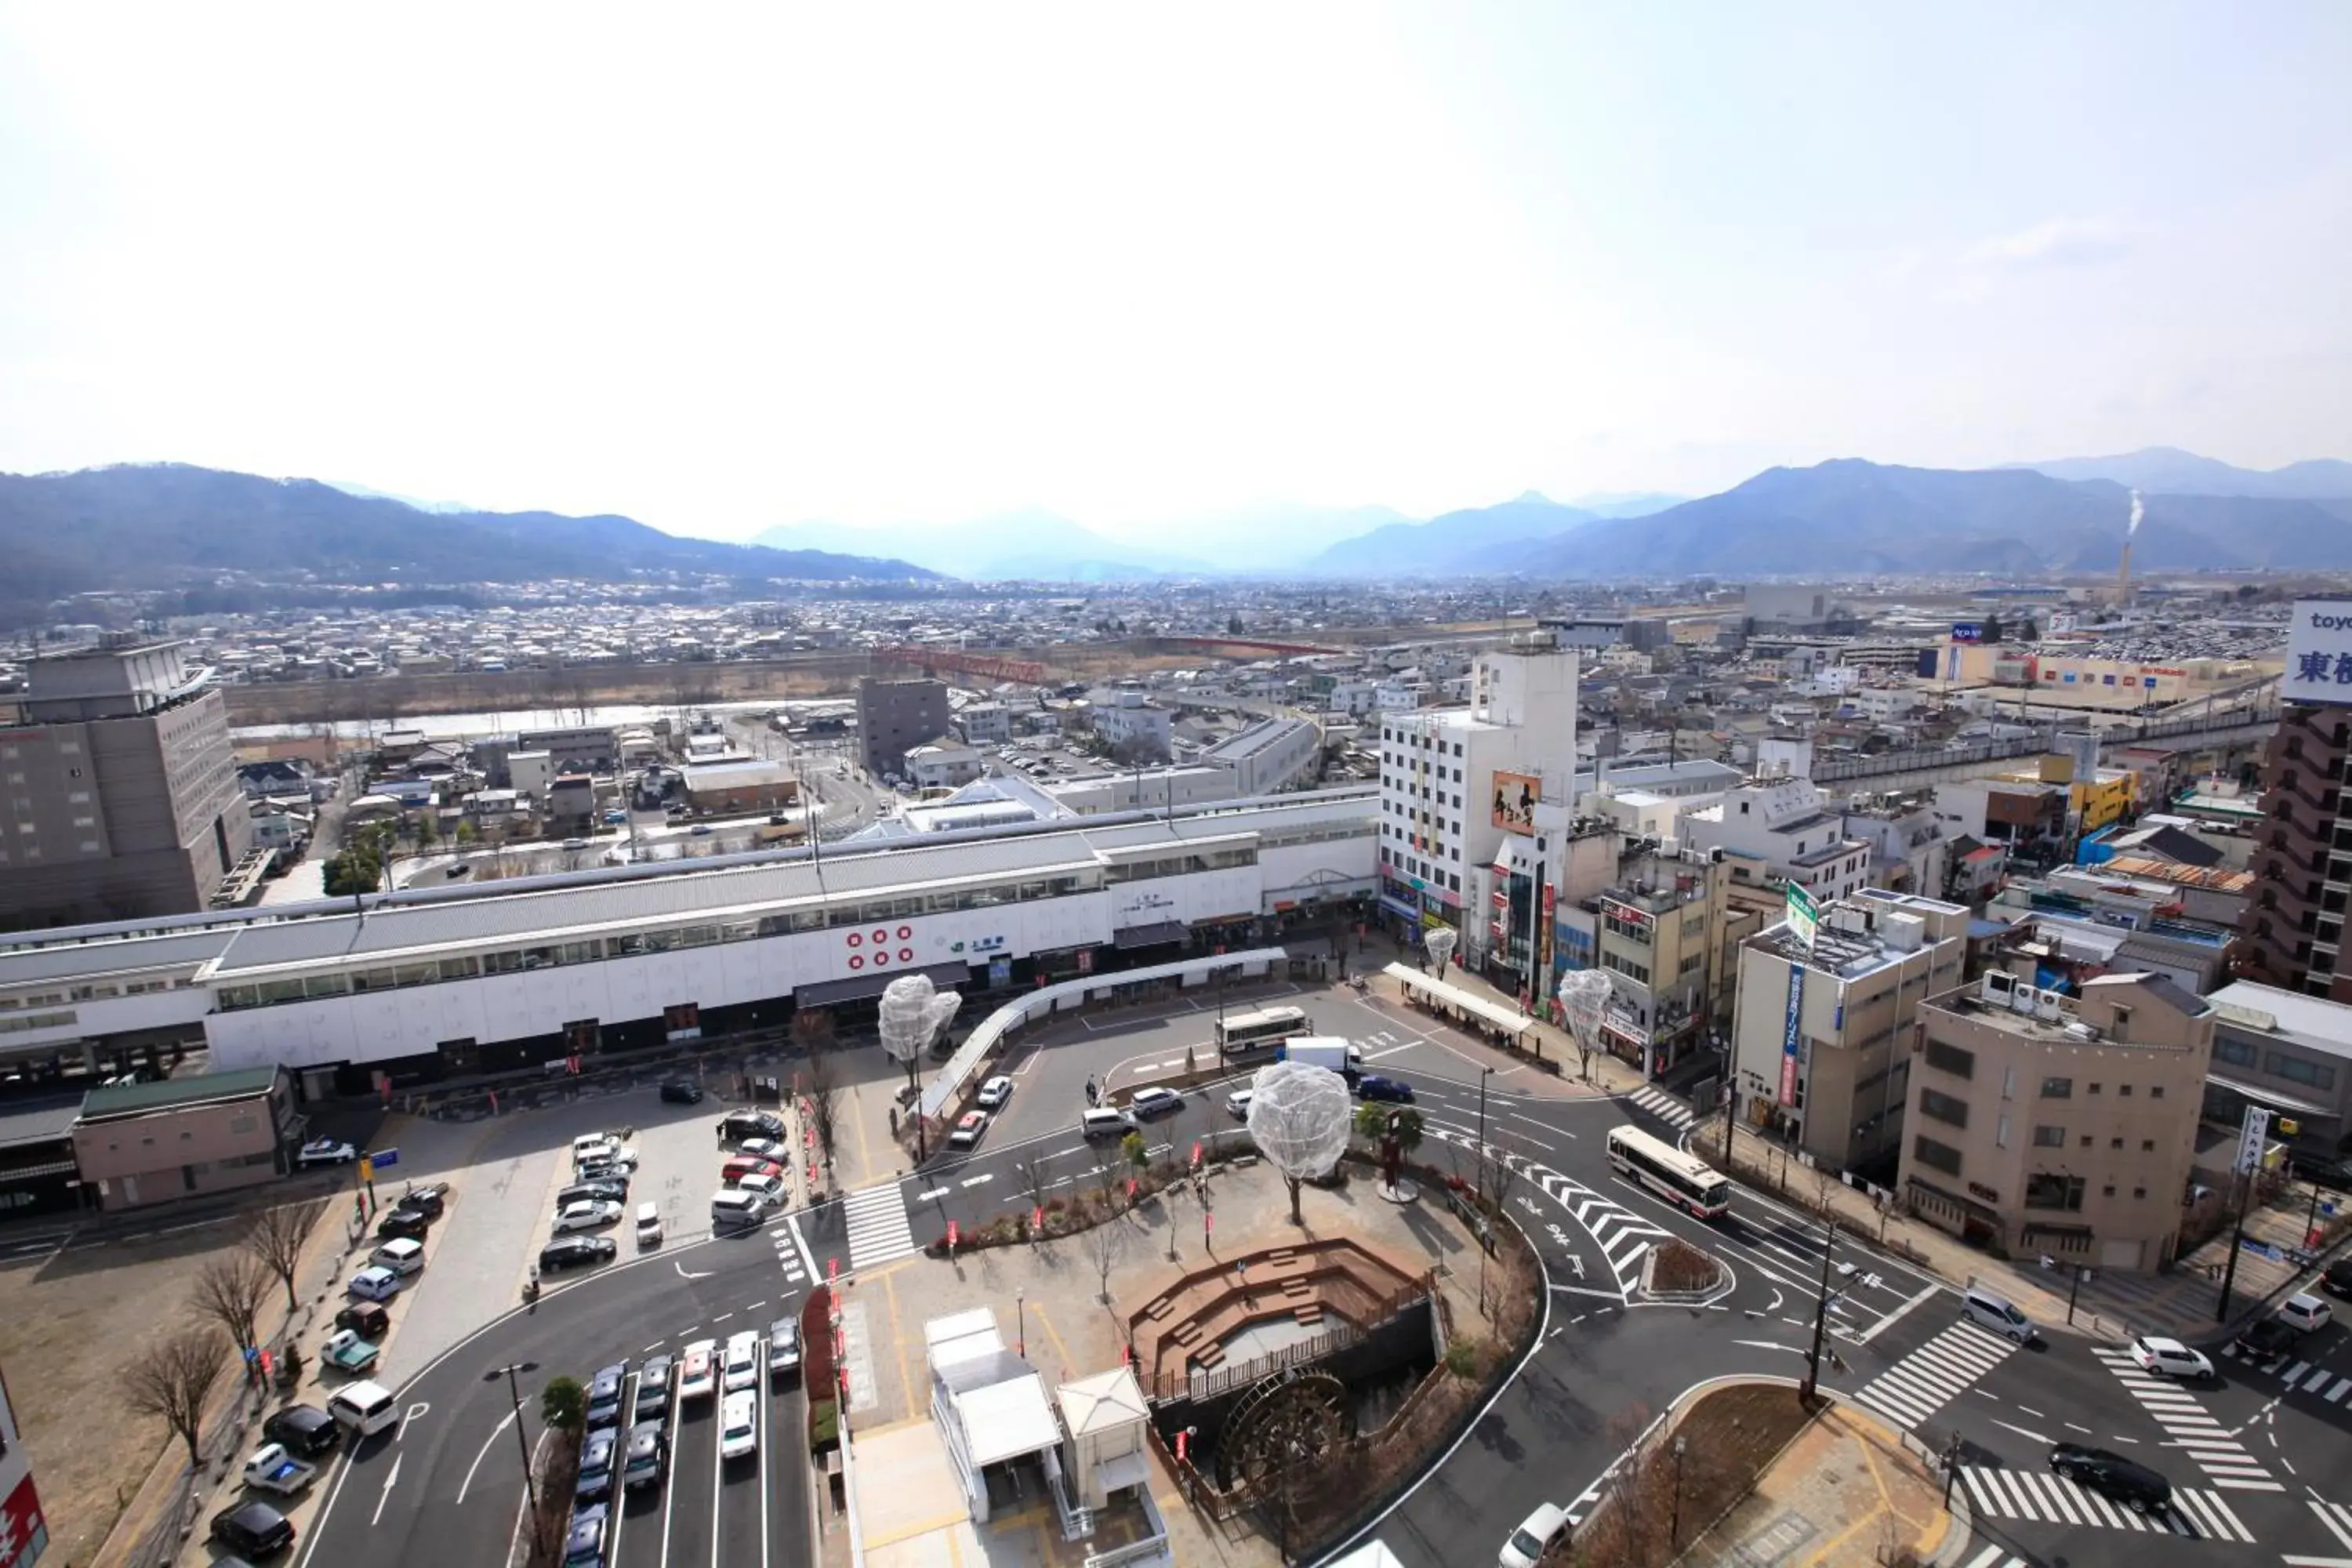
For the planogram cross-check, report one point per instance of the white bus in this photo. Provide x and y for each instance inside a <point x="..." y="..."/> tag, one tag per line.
<point x="1682" y="1180"/>
<point x="1256" y="1034"/>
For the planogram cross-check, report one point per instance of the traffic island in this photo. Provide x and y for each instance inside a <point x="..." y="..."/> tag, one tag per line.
<point x="1679" y="1274"/>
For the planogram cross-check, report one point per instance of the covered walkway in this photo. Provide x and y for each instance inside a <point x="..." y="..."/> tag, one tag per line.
<point x="1498" y="1020"/>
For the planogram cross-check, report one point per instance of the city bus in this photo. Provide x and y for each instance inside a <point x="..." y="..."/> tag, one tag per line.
<point x="1688" y="1182"/>
<point x="1242" y="1034"/>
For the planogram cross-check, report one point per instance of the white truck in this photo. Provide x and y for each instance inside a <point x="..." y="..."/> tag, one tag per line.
<point x="273" y="1470"/>
<point x="1323" y="1051"/>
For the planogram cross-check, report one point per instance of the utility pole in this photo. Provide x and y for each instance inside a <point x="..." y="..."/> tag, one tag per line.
<point x="2252" y="1132"/>
<point x="1484" y="1074"/>
<point x="514" y="1393"/>
<point x="1821" y="1317"/>
<point x="1730" y="1119"/>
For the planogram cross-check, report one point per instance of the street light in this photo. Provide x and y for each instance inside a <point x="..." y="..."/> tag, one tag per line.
<point x="1484" y="1074"/>
<point x="514" y="1392"/>
<point x="1021" y="1319"/>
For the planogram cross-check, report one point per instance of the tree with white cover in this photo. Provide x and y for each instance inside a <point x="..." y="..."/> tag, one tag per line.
<point x="1584" y="993"/>
<point x="1299" y="1118"/>
<point x="1439" y="945"/>
<point x="912" y="1014"/>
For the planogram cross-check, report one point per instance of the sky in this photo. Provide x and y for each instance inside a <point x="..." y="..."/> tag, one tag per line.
<point x="725" y="268"/>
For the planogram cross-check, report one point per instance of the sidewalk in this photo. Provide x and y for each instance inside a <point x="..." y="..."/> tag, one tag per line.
<point x="1845" y="1493"/>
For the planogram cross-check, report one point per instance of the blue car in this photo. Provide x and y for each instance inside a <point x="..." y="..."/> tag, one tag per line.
<point x="1372" y="1086"/>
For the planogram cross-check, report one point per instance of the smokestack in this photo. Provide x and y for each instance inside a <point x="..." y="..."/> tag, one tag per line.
<point x="2122" y="579"/>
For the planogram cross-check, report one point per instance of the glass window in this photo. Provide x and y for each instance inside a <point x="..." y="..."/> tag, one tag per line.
<point x="461" y="968"/>
<point x="1938" y="1156"/>
<point x="1944" y="1107"/>
<point x="2295" y="1069"/>
<point x="327" y="986"/>
<point x="2050" y="1137"/>
<point x="2054" y="1192"/>
<point x="277" y="990"/>
<point x="1951" y="1060"/>
<point x="2241" y="1053"/>
<point x="2057" y="1088"/>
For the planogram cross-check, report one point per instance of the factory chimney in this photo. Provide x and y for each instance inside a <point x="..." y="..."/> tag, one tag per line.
<point x="2123" y="577"/>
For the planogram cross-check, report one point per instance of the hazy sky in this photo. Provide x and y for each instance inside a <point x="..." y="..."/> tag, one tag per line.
<point x="722" y="269"/>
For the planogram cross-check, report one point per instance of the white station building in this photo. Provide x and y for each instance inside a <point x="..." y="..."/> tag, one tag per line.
<point x="423" y="984"/>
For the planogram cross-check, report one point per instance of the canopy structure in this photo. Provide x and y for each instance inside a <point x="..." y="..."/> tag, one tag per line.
<point x="1502" y="1016"/>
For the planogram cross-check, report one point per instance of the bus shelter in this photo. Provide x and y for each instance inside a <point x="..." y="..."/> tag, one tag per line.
<point x="1498" y="1021"/>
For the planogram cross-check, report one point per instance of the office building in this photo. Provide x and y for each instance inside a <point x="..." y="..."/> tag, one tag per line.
<point x="2047" y="1124"/>
<point x="2294" y="926"/>
<point x="1822" y="1033"/>
<point x="121" y="790"/>
<point x="1782" y="830"/>
<point x="894" y="717"/>
<point x="1135" y="728"/>
<point x="1658" y="933"/>
<point x="2289" y="1054"/>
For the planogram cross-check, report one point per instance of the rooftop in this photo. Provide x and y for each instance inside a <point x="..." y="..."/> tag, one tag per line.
<point x="164" y="1094"/>
<point x="2312" y="1022"/>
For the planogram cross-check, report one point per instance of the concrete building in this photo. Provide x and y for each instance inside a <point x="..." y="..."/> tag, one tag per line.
<point x="1822" y="1037"/>
<point x="2026" y="819"/>
<point x="1658" y="933"/>
<point x="1455" y="780"/>
<point x="588" y="748"/>
<point x="985" y="723"/>
<point x="1144" y="789"/>
<point x="943" y="762"/>
<point x="142" y="1143"/>
<point x="2289" y="1053"/>
<point x="2294" y="926"/>
<point x="121" y="790"/>
<point x="1270" y="755"/>
<point x="1134" y="726"/>
<point x="1771" y="831"/>
<point x="895" y="716"/>
<point x="530" y="775"/>
<point x="747" y="783"/>
<point x="2047" y="1124"/>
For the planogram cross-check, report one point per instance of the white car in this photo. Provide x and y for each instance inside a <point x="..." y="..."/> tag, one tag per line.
<point x="739" y="1426"/>
<point x="588" y="1213"/>
<point x="1237" y="1103"/>
<point x="764" y="1148"/>
<point x="698" y="1369"/>
<point x="589" y="1143"/>
<point x="328" y="1151"/>
<point x="2168" y="1358"/>
<point x="740" y="1369"/>
<point x="995" y="1092"/>
<point x="1537" y="1536"/>
<point x="2306" y="1311"/>
<point x="968" y="1130"/>
<point x="374" y="1283"/>
<point x="1155" y="1101"/>
<point x="769" y="1187"/>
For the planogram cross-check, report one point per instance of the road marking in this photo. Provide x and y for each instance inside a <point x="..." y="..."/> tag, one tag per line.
<point x="2023" y="1432"/>
<point x="934" y="1195"/>
<point x="684" y="1275"/>
<point x="722" y="1317"/>
<point x="476" y="1464"/>
<point x="1888" y="1321"/>
<point x="975" y="1180"/>
<point x="653" y="1347"/>
<point x="387" y="1495"/>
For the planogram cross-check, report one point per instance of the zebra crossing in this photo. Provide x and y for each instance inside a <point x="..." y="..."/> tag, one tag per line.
<point x="1930" y="1377"/>
<point x="2337" y="1519"/>
<point x="2215" y="1451"/>
<point x="2299" y="1377"/>
<point x="1997" y="1557"/>
<point x="2052" y="1499"/>
<point x="1665" y="1107"/>
<point x="879" y="1231"/>
<point x="1624" y="1237"/>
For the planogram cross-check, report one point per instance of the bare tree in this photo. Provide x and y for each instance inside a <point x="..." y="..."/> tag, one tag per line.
<point x="229" y="1290"/>
<point x="1031" y="1174"/>
<point x="1106" y="1243"/>
<point x="820" y="1083"/>
<point x="277" y="1237"/>
<point x="172" y="1380"/>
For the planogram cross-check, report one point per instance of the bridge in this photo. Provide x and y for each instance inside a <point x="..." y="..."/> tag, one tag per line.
<point x="2238" y="724"/>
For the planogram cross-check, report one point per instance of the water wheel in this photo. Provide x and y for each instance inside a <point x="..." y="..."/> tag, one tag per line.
<point x="1289" y="1423"/>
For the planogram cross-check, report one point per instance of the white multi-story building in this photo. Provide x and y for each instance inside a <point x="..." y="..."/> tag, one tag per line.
<point x="985" y="723"/>
<point x="1475" y="801"/>
<point x="1270" y="755"/>
<point x="1782" y="830"/>
<point x="1130" y="719"/>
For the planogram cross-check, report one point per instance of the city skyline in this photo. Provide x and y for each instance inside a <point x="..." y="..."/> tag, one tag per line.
<point x="760" y="271"/>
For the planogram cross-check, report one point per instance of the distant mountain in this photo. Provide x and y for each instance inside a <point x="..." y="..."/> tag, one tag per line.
<point x="446" y="508"/>
<point x="2172" y="471"/>
<point x="1633" y="503"/>
<point x="145" y="526"/>
<point x="1034" y="544"/>
<point x="1455" y="544"/>
<point x="1275" y="536"/>
<point x="1850" y="516"/>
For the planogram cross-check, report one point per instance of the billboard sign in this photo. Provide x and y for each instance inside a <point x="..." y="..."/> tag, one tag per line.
<point x="1792" y="1032"/>
<point x="1515" y="801"/>
<point x="1804" y="915"/>
<point x="2318" y="652"/>
<point x="2252" y="1133"/>
<point x="1968" y="631"/>
<point x="24" y="1534"/>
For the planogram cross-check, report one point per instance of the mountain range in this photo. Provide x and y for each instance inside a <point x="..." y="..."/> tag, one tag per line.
<point x="167" y="525"/>
<point x="2175" y="472"/>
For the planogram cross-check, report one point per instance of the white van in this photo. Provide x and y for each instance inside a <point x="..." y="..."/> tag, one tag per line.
<point x="402" y="1257"/>
<point x="732" y="1208"/>
<point x="363" y="1407"/>
<point x="1992" y="1313"/>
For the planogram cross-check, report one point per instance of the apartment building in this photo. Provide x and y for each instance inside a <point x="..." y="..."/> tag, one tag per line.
<point x="1658" y="935"/>
<point x="120" y="787"/>
<point x="2041" y="1123"/>
<point x="1134" y="726"/>
<point x="895" y="716"/>
<point x="2294" y="926"/>
<point x="1780" y="830"/>
<point x="1822" y="1033"/>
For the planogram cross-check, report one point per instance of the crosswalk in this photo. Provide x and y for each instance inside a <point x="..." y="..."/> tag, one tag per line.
<point x="1930" y="1377"/>
<point x="2190" y="1429"/>
<point x="2053" y="1499"/>
<point x="1997" y="1557"/>
<point x="1624" y="1237"/>
<point x="2337" y="1519"/>
<point x="2299" y="1376"/>
<point x="1665" y="1107"/>
<point x="879" y="1231"/>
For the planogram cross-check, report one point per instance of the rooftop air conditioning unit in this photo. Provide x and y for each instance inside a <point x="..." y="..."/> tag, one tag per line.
<point x="1997" y="987"/>
<point x="2022" y="1000"/>
<point x="2047" y="1006"/>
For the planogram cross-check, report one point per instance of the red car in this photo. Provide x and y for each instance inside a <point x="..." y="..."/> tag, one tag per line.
<point x="734" y="1171"/>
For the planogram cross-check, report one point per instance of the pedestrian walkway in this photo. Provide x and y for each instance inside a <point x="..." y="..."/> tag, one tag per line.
<point x="2337" y="1519"/>
<point x="2055" y="1499"/>
<point x="1665" y="1107"/>
<point x="2184" y="1421"/>
<point x="879" y="1231"/>
<point x="1932" y="1376"/>
<point x="2298" y="1376"/>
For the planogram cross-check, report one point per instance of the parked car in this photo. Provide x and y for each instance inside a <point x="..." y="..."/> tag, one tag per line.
<point x="326" y="1151"/>
<point x="1373" y="1085"/>
<point x="366" y="1319"/>
<point x="1155" y="1101"/>
<point x="403" y="1223"/>
<point x="604" y="1392"/>
<point x="374" y="1283"/>
<point x="783" y="1347"/>
<point x="2135" y="1486"/>
<point x="572" y="1251"/>
<point x="735" y="1170"/>
<point x="584" y="1543"/>
<point x="596" y="1477"/>
<point x="270" y="1469"/>
<point x="738" y="1125"/>
<point x="429" y="1200"/>
<point x="585" y="1192"/>
<point x="2306" y="1311"/>
<point x="653" y="1388"/>
<point x="1536" y="1536"/>
<point x="252" y="1529"/>
<point x="588" y="1213"/>
<point x="2337" y="1280"/>
<point x="346" y="1352"/>
<point x="698" y="1373"/>
<point x="740" y="1369"/>
<point x="769" y="1149"/>
<point x="680" y="1091"/>
<point x="648" y="1452"/>
<point x="650" y="1226"/>
<point x="2168" y="1358"/>
<point x="2267" y="1341"/>
<point x="995" y="1092"/>
<point x="303" y="1430"/>
<point x="967" y="1128"/>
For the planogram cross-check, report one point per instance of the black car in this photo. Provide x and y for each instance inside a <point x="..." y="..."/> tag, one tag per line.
<point x="599" y="1191"/>
<point x="1372" y="1086"/>
<point x="2135" y="1486"/>
<point x="252" y="1529"/>
<point x="2267" y="1341"/>
<point x="604" y="1394"/>
<point x="572" y="1251"/>
<point x="680" y="1091"/>
<point x="366" y="1319"/>
<point x="2337" y="1280"/>
<point x="429" y="1200"/>
<point x="738" y="1125"/>
<point x="304" y="1429"/>
<point x="653" y="1390"/>
<point x="596" y="1466"/>
<point x="403" y="1222"/>
<point x="784" y="1349"/>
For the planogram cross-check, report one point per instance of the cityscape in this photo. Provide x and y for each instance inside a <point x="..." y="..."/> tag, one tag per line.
<point x="935" y="931"/>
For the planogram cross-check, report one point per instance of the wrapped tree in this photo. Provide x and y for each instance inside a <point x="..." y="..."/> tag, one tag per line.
<point x="1584" y="993"/>
<point x="1299" y="1118"/>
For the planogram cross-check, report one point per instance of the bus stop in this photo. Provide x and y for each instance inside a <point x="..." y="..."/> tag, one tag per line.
<point x="1498" y="1021"/>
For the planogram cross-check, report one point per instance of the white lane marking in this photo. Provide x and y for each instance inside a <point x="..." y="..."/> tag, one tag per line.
<point x="476" y="1464"/>
<point x="386" y="1496"/>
